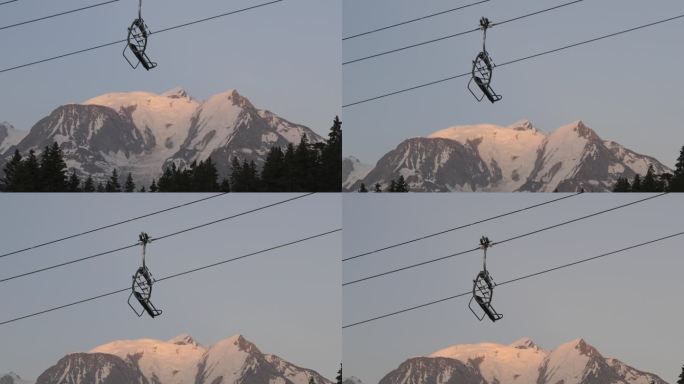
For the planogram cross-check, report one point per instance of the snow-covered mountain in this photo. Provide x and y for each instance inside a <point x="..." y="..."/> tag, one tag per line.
<point x="13" y="378"/>
<point x="180" y="360"/>
<point x="9" y="136"/>
<point x="518" y="157"/>
<point x="141" y="132"/>
<point x="523" y="361"/>
<point x="353" y="170"/>
<point x="352" y="380"/>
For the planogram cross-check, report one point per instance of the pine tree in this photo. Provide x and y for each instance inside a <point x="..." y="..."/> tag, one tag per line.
<point x="250" y="177"/>
<point x="142" y="189"/>
<point x="649" y="184"/>
<point x="167" y="182"/>
<point x="331" y="160"/>
<point x="113" y="183"/>
<point x="304" y="163"/>
<point x="153" y="186"/>
<point x="677" y="184"/>
<point x="679" y="166"/>
<point x="74" y="182"/>
<point x="101" y="187"/>
<point x="622" y="185"/>
<point x="392" y="186"/>
<point x="204" y="177"/>
<point x="289" y="174"/>
<point x="12" y="169"/>
<point x="272" y="173"/>
<point x="130" y="185"/>
<point x="53" y="169"/>
<point x="339" y="375"/>
<point x="401" y="185"/>
<point x="377" y="188"/>
<point x="636" y="184"/>
<point x="236" y="176"/>
<point x="225" y="185"/>
<point x="363" y="189"/>
<point x="30" y="174"/>
<point x="681" y="377"/>
<point x="89" y="185"/>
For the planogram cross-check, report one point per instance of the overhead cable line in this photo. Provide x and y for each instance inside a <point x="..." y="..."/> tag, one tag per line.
<point x="457" y="34"/>
<point x="7" y="2"/>
<point x="125" y="40"/>
<point x="74" y="261"/>
<point x="517" y="279"/>
<point x="506" y="240"/>
<point x="58" y="14"/>
<point x="414" y="20"/>
<point x="173" y="276"/>
<point x="460" y="227"/>
<point x="516" y="60"/>
<point x="110" y="225"/>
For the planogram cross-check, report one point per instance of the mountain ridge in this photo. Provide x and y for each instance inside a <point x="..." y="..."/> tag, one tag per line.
<point x="514" y="158"/>
<point x="574" y="362"/>
<point x="180" y="360"/>
<point x="143" y="133"/>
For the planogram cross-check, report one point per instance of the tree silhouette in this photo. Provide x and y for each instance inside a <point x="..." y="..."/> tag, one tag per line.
<point x="130" y="185"/>
<point x="112" y="184"/>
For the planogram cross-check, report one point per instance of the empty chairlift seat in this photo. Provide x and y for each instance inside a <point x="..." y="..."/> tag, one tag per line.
<point x="141" y="288"/>
<point x="138" y="35"/>
<point x="483" y="289"/>
<point x="483" y="68"/>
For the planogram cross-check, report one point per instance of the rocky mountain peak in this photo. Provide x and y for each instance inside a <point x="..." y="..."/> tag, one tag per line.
<point x="184" y="339"/>
<point x="176" y="93"/>
<point x="583" y="348"/>
<point x="580" y="129"/>
<point x="234" y="97"/>
<point x="523" y="125"/>
<point x="524" y="343"/>
<point x="243" y="344"/>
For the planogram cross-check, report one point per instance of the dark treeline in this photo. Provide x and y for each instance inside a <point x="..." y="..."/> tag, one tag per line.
<point x="651" y="182"/>
<point x="304" y="167"/>
<point x="398" y="185"/>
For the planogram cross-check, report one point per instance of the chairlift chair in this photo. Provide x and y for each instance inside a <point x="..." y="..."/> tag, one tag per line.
<point x="483" y="67"/>
<point x="483" y="289"/>
<point x="138" y="33"/>
<point x="141" y="288"/>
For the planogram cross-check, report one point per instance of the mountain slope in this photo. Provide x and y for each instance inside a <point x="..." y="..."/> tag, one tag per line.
<point x="92" y="368"/>
<point x="13" y="378"/>
<point x="353" y="170"/>
<point x="523" y="361"/>
<point x="180" y="360"/>
<point x="141" y="133"/>
<point x="505" y="159"/>
<point x="9" y="136"/>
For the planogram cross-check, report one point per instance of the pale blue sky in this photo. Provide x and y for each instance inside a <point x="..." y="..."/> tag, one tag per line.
<point x="625" y="305"/>
<point x="268" y="298"/>
<point x="627" y="88"/>
<point x="284" y="57"/>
